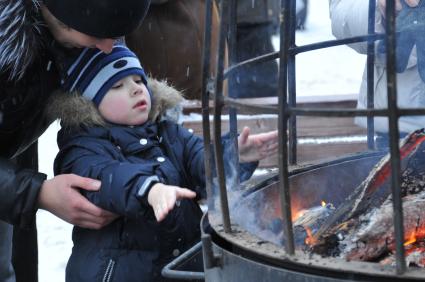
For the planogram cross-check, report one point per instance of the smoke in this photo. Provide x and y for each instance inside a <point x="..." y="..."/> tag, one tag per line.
<point x="245" y="209"/>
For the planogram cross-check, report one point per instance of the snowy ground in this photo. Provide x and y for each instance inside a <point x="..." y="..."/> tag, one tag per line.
<point x="336" y="70"/>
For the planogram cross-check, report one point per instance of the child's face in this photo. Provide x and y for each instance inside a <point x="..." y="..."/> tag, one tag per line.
<point x="127" y="102"/>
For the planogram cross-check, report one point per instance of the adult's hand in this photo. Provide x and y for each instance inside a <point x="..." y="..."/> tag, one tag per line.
<point x="60" y="196"/>
<point x="398" y="6"/>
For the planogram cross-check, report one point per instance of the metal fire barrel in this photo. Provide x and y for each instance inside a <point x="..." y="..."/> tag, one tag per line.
<point x="245" y="256"/>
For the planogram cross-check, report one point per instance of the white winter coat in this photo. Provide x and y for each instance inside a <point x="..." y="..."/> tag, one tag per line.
<point x="349" y="18"/>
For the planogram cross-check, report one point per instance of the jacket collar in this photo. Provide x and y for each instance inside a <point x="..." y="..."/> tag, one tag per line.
<point x="129" y="139"/>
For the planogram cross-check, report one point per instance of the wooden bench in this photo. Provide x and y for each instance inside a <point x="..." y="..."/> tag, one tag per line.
<point x="318" y="137"/>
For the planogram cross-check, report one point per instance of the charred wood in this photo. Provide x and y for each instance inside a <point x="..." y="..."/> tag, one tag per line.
<point x="373" y="236"/>
<point x="415" y="256"/>
<point x="376" y="188"/>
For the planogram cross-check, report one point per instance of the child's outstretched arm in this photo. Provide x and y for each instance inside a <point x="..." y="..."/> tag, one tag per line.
<point x="257" y="146"/>
<point x="162" y="198"/>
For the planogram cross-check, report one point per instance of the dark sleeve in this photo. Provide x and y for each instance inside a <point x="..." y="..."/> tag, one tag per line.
<point x="155" y="2"/>
<point x="193" y="158"/>
<point x="18" y="193"/>
<point x="121" y="180"/>
<point x="229" y="152"/>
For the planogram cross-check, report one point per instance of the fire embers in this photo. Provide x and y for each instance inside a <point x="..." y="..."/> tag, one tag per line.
<point x="309" y="222"/>
<point x="362" y="227"/>
<point x="306" y="223"/>
<point x="372" y="238"/>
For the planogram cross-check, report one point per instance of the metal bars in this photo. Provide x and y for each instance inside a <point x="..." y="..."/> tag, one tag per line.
<point x="390" y="42"/>
<point x="288" y="111"/>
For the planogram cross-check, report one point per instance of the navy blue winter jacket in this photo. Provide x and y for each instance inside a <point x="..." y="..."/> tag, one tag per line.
<point x="134" y="247"/>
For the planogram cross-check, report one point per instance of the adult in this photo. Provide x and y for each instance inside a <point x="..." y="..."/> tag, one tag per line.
<point x="35" y="39"/>
<point x="349" y="18"/>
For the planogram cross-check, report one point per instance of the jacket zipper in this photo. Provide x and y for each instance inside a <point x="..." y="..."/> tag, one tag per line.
<point x="109" y="270"/>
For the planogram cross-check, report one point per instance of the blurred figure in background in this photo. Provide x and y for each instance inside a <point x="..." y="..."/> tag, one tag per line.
<point x="170" y="43"/>
<point x="301" y="14"/>
<point x="256" y="24"/>
<point x="349" y="18"/>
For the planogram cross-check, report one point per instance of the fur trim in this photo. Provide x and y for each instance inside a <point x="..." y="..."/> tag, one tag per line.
<point x="20" y="32"/>
<point x="165" y="99"/>
<point x="74" y="111"/>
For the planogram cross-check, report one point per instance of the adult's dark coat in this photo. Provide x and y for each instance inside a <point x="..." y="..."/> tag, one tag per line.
<point x="27" y="79"/>
<point x="135" y="247"/>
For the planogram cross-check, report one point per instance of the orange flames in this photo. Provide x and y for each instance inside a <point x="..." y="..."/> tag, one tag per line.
<point x="297" y="214"/>
<point x="411" y="240"/>
<point x="310" y="238"/>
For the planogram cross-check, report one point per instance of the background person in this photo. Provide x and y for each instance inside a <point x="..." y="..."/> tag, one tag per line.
<point x="256" y="23"/>
<point x="170" y="43"/>
<point x="349" y="18"/>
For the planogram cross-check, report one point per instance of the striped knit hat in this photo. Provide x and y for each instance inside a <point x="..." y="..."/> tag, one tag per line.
<point x="94" y="72"/>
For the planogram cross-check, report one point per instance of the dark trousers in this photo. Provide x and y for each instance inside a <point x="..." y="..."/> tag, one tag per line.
<point x="259" y="80"/>
<point x="25" y="254"/>
<point x="25" y="250"/>
<point x="7" y="273"/>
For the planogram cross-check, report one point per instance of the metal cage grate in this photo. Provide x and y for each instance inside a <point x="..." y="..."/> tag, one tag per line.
<point x="288" y="111"/>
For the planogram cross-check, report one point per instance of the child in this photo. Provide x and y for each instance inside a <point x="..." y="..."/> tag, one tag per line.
<point x="118" y="137"/>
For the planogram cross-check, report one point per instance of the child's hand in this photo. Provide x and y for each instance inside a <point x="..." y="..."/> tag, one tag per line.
<point x="256" y="147"/>
<point x="162" y="198"/>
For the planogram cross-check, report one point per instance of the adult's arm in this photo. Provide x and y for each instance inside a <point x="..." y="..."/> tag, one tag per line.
<point x="349" y="18"/>
<point x="153" y="2"/>
<point x="61" y="196"/>
<point x="23" y="191"/>
<point x="19" y="189"/>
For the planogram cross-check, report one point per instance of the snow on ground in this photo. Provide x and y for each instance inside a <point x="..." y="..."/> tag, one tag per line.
<point x="335" y="70"/>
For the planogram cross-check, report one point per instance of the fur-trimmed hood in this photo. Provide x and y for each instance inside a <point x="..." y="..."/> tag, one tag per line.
<point x="20" y="35"/>
<point x="73" y="110"/>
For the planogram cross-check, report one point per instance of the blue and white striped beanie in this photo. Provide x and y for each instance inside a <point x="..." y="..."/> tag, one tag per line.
<point x="94" y="72"/>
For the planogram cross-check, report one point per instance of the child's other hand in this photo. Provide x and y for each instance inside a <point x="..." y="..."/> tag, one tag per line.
<point x="162" y="198"/>
<point x="256" y="147"/>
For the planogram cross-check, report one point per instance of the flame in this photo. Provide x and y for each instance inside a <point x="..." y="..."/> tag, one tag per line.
<point x="323" y="203"/>
<point x="310" y="239"/>
<point x="411" y="240"/>
<point x="297" y="215"/>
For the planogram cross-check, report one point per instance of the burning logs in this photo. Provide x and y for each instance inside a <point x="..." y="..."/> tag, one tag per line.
<point x="362" y="227"/>
<point x="375" y="189"/>
<point x="373" y="236"/>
